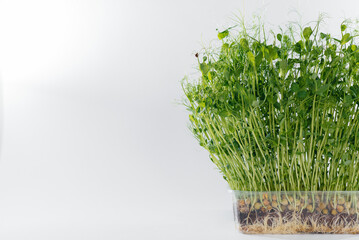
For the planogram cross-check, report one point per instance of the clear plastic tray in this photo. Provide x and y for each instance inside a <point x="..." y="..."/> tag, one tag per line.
<point x="296" y="212"/>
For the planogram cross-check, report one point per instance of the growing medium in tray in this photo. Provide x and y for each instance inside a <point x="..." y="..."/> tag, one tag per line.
<point x="278" y="114"/>
<point x="297" y="212"/>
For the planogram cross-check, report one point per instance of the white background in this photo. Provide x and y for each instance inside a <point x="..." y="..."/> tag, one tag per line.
<point x="94" y="145"/>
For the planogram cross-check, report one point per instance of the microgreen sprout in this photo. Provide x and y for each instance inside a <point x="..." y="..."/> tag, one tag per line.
<point x="279" y="112"/>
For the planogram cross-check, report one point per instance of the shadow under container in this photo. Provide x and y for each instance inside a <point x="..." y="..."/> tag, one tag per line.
<point x="296" y="212"/>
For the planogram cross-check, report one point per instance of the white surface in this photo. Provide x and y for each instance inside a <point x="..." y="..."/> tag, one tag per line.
<point x="94" y="146"/>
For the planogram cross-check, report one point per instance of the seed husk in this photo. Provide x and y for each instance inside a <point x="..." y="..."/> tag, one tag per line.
<point x="310" y="207"/>
<point x="242" y="202"/>
<point x="341" y="201"/>
<point x="340" y="208"/>
<point x="248" y="201"/>
<point x="334" y="212"/>
<point x="257" y="205"/>
<point x="274" y="204"/>
<point x="322" y="205"/>
<point x="284" y="202"/>
<point x="291" y="208"/>
<point x="265" y="202"/>
<point x="325" y="211"/>
<point x="274" y="198"/>
<point x="244" y="209"/>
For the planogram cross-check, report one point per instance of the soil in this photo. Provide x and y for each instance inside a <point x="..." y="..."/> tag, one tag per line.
<point x="304" y="221"/>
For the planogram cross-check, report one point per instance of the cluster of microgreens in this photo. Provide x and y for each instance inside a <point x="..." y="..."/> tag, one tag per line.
<point x="280" y="112"/>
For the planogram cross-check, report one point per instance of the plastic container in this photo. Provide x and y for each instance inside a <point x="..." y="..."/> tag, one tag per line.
<point x="296" y="212"/>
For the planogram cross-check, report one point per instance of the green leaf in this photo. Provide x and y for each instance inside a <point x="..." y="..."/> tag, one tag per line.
<point x="204" y="68"/>
<point x="298" y="47"/>
<point x="323" y="89"/>
<point x="343" y="27"/>
<point x="255" y="104"/>
<point x="266" y="54"/>
<point x="353" y="47"/>
<point x="307" y="32"/>
<point x="251" y="58"/>
<point x="283" y="65"/>
<point x="259" y="58"/>
<point x="348" y="99"/>
<point x="295" y="87"/>
<point x="225" y="47"/>
<point x="302" y="94"/>
<point x="244" y="43"/>
<point x="279" y="37"/>
<point x="202" y="104"/>
<point x="273" y="53"/>
<point x="346" y="38"/>
<point x="225" y="114"/>
<point x="223" y="34"/>
<point x="323" y="36"/>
